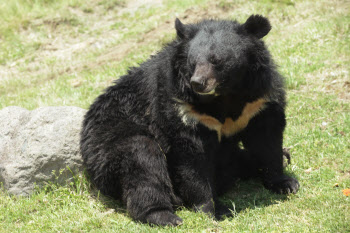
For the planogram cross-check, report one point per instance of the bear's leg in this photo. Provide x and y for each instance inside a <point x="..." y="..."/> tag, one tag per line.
<point x="233" y="164"/>
<point x="195" y="189"/>
<point x="146" y="186"/>
<point x="192" y="172"/>
<point x="263" y="139"/>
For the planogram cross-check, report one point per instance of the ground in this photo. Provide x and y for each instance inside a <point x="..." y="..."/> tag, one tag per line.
<point x="66" y="52"/>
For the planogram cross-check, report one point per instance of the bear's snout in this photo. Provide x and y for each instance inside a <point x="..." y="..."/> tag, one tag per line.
<point x="203" y="81"/>
<point x="197" y="84"/>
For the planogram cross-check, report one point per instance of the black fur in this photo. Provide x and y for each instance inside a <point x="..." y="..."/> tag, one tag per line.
<point x="137" y="146"/>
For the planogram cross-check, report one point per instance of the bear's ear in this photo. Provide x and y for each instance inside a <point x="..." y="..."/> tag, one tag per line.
<point x="257" y="25"/>
<point x="180" y="29"/>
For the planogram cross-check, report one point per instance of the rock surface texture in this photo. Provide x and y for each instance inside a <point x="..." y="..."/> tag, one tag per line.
<point x="34" y="143"/>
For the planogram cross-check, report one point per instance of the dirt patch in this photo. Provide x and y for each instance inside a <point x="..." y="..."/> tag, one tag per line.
<point x="333" y="81"/>
<point x="134" y="5"/>
<point x="61" y="41"/>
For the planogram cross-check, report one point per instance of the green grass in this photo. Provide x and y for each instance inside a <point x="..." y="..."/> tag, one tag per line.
<point x="66" y="52"/>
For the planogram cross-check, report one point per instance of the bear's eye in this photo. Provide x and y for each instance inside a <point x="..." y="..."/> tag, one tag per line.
<point x="214" y="60"/>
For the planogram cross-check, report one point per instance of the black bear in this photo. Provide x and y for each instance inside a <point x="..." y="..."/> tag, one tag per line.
<point x="180" y="129"/>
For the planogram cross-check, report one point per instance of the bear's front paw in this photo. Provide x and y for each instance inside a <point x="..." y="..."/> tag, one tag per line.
<point x="222" y="210"/>
<point x="206" y="207"/>
<point x="282" y="184"/>
<point x="163" y="218"/>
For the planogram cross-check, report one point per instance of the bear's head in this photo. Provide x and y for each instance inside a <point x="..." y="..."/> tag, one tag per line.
<point x="225" y="57"/>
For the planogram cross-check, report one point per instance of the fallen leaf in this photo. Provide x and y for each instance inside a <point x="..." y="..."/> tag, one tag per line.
<point x="346" y="192"/>
<point x="308" y="170"/>
<point x="342" y="133"/>
<point x="75" y="82"/>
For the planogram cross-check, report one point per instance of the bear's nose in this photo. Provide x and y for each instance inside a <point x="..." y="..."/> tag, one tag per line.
<point x="197" y="84"/>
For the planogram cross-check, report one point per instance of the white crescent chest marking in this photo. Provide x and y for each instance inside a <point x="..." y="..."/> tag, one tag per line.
<point x="230" y="127"/>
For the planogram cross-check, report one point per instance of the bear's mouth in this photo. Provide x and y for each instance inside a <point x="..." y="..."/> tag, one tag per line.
<point x="211" y="92"/>
<point x="209" y="88"/>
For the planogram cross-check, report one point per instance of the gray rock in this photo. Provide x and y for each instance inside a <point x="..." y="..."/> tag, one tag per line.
<point x="35" y="143"/>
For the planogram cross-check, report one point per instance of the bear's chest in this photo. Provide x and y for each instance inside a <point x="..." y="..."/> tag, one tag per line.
<point x="229" y="126"/>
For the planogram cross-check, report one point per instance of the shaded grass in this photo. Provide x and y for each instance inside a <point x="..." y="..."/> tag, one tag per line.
<point x="309" y="41"/>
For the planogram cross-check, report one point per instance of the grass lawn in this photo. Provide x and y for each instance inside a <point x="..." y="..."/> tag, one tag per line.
<point x="66" y="52"/>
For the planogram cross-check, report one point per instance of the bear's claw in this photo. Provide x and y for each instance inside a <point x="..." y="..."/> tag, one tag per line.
<point x="283" y="185"/>
<point x="163" y="218"/>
